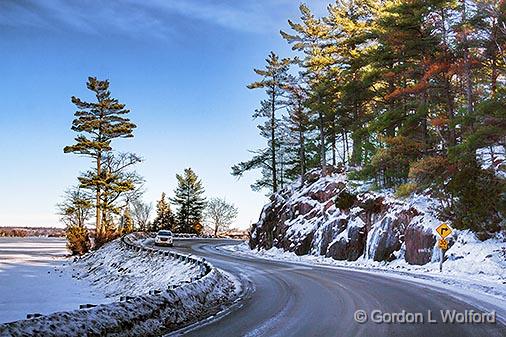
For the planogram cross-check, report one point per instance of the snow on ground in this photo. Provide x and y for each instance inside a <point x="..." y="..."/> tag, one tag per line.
<point x="471" y="264"/>
<point x="33" y="279"/>
<point x="119" y="271"/>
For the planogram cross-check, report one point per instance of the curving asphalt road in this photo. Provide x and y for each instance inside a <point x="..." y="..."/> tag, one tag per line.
<point x="296" y="300"/>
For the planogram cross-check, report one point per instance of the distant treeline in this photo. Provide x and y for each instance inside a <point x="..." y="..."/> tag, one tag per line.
<point x="32" y="231"/>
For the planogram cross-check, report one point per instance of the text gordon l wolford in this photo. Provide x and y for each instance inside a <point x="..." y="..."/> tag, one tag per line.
<point x="442" y="316"/>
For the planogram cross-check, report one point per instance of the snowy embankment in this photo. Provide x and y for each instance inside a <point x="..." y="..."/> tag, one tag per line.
<point x="116" y="270"/>
<point x="160" y="292"/>
<point x="373" y="231"/>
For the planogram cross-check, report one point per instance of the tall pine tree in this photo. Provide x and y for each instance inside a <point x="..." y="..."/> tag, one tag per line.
<point x="274" y="79"/>
<point x="419" y="88"/>
<point x="98" y="124"/>
<point x="311" y="37"/>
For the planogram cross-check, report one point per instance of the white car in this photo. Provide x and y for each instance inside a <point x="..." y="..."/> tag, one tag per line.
<point x="164" y="238"/>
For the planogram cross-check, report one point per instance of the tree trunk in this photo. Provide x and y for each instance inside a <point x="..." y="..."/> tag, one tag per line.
<point x="343" y="142"/>
<point x="493" y="62"/>
<point x="346" y="147"/>
<point x="451" y="115"/>
<point x="423" y="119"/>
<point x="447" y="87"/>
<point x="356" y="154"/>
<point x="334" y="149"/>
<point x="273" y="142"/>
<point x="98" y="223"/>
<point x="467" y="64"/>
<point x="323" y="157"/>
<point x="302" y="155"/>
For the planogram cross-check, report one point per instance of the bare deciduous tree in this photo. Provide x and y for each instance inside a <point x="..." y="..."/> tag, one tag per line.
<point x="220" y="214"/>
<point x="141" y="213"/>
<point x="76" y="207"/>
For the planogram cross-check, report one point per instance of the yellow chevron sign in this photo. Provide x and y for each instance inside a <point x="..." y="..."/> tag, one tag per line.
<point x="443" y="244"/>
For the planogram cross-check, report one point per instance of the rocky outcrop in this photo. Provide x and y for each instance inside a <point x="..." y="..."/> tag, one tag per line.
<point x="419" y="244"/>
<point x="387" y="235"/>
<point x="348" y="246"/>
<point x="328" y="217"/>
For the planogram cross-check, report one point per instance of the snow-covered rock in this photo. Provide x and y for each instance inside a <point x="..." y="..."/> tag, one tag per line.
<point x="373" y="225"/>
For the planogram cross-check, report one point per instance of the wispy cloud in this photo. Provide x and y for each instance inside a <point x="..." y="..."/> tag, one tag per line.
<point x="137" y="17"/>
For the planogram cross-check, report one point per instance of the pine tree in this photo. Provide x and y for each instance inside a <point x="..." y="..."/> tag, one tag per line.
<point x="418" y="86"/>
<point x="410" y="58"/>
<point x="274" y="79"/>
<point x="489" y="27"/>
<point x="189" y="199"/>
<point x="350" y="80"/>
<point x="311" y="37"/>
<point x="297" y="123"/>
<point x="164" y="216"/>
<point x="97" y="125"/>
<point x="404" y="67"/>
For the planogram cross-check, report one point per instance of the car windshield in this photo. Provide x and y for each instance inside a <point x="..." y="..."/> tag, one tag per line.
<point x="165" y="233"/>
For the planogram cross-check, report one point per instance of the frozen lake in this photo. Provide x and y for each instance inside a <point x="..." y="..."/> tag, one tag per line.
<point x="34" y="279"/>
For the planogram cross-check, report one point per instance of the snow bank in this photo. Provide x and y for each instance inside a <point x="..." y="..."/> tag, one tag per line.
<point x="199" y="291"/>
<point x="118" y="270"/>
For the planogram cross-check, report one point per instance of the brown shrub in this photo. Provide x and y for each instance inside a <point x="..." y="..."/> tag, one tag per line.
<point x="78" y="239"/>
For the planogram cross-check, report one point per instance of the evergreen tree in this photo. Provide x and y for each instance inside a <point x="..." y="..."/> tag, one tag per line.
<point x="297" y="124"/>
<point x="97" y="125"/>
<point x="311" y="37"/>
<point x="417" y="88"/>
<point x="351" y="79"/>
<point x="484" y="23"/>
<point x="189" y="199"/>
<point x="164" y="216"/>
<point x="404" y="68"/>
<point x="274" y="79"/>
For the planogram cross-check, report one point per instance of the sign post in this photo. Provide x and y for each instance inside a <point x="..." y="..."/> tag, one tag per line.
<point x="443" y="231"/>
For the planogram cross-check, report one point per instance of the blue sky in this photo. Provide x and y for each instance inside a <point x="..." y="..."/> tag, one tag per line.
<point x="181" y="67"/>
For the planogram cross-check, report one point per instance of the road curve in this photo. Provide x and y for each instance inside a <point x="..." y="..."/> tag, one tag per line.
<point x="297" y="300"/>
